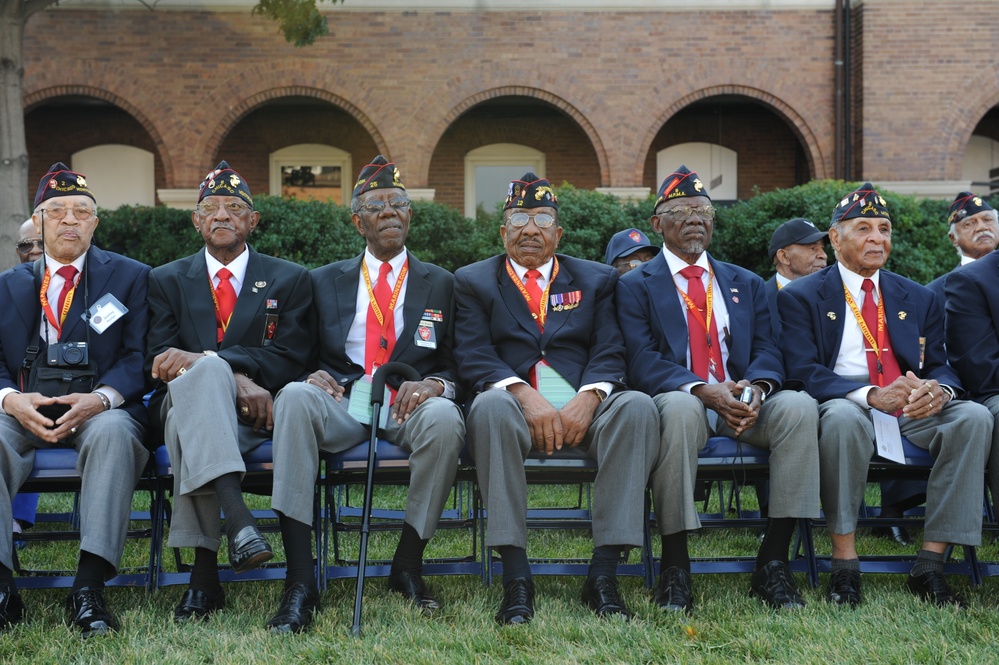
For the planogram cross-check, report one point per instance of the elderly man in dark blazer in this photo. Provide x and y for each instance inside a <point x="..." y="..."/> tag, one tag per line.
<point x="229" y="327"/>
<point x="974" y="232"/>
<point x="972" y="322"/>
<point x="697" y="348"/>
<point x="869" y="346"/>
<point x="80" y="284"/>
<point x="382" y="306"/>
<point x="539" y="345"/>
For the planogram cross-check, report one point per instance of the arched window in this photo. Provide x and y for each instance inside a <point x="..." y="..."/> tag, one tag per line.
<point x="118" y="174"/>
<point x="489" y="170"/>
<point x="717" y="166"/>
<point x="980" y="157"/>
<point x="311" y="170"/>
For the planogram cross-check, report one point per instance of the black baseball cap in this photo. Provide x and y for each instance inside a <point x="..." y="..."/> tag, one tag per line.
<point x="797" y="231"/>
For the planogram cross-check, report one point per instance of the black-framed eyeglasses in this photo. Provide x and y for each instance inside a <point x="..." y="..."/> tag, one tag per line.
<point x="58" y="213"/>
<point x="208" y="208"/>
<point x="25" y="245"/>
<point x="683" y="213"/>
<point x="375" y="207"/>
<point x="542" y="219"/>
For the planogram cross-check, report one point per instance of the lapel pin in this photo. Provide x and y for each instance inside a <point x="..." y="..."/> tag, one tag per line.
<point x="260" y="285"/>
<point x="735" y="299"/>
<point x="831" y="315"/>
<point x="254" y="289"/>
<point x="902" y="315"/>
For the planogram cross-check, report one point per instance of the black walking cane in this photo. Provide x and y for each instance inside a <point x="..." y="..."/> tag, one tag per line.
<point x="377" y="397"/>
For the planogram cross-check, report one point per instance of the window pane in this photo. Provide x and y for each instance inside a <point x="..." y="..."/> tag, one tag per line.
<point x="491" y="183"/>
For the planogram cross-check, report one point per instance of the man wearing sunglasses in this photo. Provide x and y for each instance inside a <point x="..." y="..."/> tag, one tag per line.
<point x="106" y="424"/>
<point x="699" y="337"/>
<point x="537" y="341"/>
<point x="382" y="306"/>
<point x="228" y="328"/>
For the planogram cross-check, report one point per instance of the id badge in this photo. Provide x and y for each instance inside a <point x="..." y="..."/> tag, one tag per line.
<point x="426" y="335"/>
<point x="104" y="313"/>
<point x="359" y="403"/>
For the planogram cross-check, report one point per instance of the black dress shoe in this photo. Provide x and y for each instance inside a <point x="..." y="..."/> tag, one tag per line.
<point x="88" y="612"/>
<point x="410" y="584"/>
<point x="196" y="604"/>
<point x="844" y="587"/>
<point x="601" y="594"/>
<point x="11" y="607"/>
<point x="298" y="603"/>
<point x="933" y="587"/>
<point x="248" y="549"/>
<point x="774" y="584"/>
<point x="518" y="602"/>
<point x="897" y="533"/>
<point x="674" y="593"/>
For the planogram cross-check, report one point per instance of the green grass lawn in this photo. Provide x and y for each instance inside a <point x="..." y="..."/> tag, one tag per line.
<point x="727" y="625"/>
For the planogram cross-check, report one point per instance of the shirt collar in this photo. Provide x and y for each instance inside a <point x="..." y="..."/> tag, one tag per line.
<point x="52" y="265"/>
<point x="676" y="264"/>
<point x="374" y="263"/>
<point x="237" y="266"/>
<point x="545" y="269"/>
<point x="965" y="259"/>
<point x="782" y="281"/>
<point x="853" y="281"/>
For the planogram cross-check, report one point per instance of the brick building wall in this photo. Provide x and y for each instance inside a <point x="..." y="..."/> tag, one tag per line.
<point x="614" y="85"/>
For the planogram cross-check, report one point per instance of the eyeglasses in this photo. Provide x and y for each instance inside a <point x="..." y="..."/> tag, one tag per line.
<point x="81" y="213"/>
<point x="542" y="219"/>
<point x="209" y="208"/>
<point x="27" y="244"/>
<point x="375" y="207"/>
<point x="683" y="213"/>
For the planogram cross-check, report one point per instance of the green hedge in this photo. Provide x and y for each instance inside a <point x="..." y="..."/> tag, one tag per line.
<point x="315" y="233"/>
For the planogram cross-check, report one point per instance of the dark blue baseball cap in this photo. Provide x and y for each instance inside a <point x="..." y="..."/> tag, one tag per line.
<point x="626" y="242"/>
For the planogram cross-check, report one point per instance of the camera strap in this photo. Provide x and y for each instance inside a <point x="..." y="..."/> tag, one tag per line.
<point x="31" y="353"/>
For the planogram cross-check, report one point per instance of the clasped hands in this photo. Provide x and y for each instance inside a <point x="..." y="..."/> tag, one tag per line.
<point x="552" y="429"/>
<point x="917" y="398"/>
<point x="723" y="398"/>
<point x="24" y="408"/>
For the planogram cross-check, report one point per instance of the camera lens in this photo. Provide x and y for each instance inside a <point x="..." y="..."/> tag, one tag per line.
<point x="72" y="355"/>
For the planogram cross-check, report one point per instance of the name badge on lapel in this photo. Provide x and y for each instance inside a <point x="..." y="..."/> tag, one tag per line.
<point x="426" y="335"/>
<point x="562" y="302"/>
<point x="104" y="313"/>
<point x="270" y="329"/>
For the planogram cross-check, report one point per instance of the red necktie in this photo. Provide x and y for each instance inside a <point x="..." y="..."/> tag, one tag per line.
<point x="378" y="348"/>
<point x="225" y="295"/>
<point x="534" y="290"/>
<point x="704" y="358"/>
<point x="68" y="273"/>
<point x="889" y="364"/>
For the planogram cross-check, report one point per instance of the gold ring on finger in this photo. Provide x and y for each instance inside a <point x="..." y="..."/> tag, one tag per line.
<point x="181" y="370"/>
<point x="244" y="410"/>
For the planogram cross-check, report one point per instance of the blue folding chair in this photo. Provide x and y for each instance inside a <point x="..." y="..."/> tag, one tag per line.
<point x="724" y="459"/>
<point x="55" y="471"/>
<point x="349" y="467"/>
<point x="258" y="479"/>
<point x="565" y="467"/>
<point x="918" y="463"/>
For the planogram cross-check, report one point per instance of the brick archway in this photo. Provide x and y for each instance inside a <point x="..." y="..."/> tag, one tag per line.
<point x="39" y="97"/>
<point x="225" y="124"/>
<point x="433" y="136"/>
<point x="958" y="126"/>
<point x="813" y="153"/>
